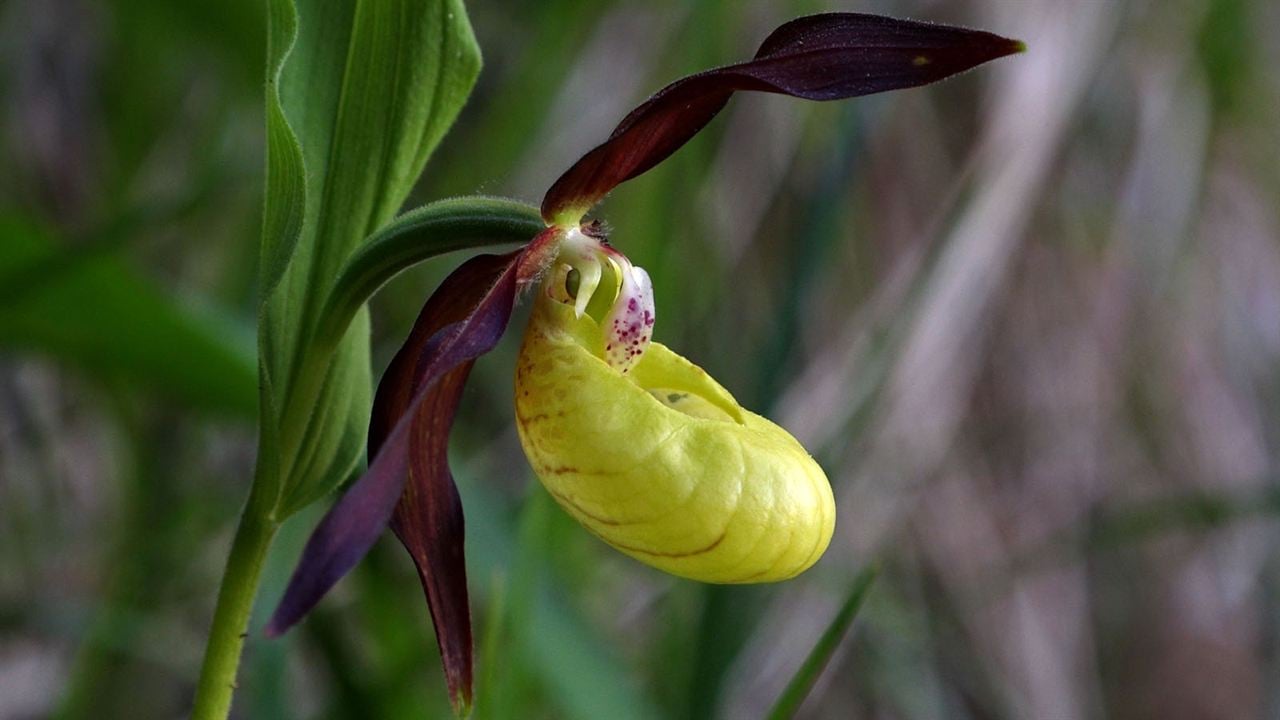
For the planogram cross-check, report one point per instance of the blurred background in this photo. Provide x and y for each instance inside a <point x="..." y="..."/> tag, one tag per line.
<point x="1028" y="320"/>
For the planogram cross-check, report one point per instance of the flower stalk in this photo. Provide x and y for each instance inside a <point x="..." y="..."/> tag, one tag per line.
<point x="236" y="594"/>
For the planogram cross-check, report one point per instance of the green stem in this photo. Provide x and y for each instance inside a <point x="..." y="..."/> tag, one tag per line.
<point x="231" y="618"/>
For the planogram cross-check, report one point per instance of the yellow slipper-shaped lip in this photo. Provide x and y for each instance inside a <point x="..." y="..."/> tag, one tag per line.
<point x="661" y="462"/>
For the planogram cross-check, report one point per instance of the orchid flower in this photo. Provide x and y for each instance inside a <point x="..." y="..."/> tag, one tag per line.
<point x="638" y="444"/>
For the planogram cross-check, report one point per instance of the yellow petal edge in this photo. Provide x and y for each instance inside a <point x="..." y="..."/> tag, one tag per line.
<point x="662" y="463"/>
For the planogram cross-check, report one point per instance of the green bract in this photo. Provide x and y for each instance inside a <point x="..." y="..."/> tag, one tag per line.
<point x="661" y="462"/>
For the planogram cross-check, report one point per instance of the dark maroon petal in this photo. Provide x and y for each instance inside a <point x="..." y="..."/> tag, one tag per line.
<point x="456" y="301"/>
<point x="463" y="319"/>
<point x="428" y="521"/>
<point x="428" y="518"/>
<point x="819" y="57"/>
<point x="345" y="534"/>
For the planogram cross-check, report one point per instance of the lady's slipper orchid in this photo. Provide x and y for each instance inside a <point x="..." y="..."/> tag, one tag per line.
<point x="641" y="446"/>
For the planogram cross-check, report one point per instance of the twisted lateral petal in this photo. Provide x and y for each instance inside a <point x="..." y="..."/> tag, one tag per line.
<point x="662" y="463"/>
<point x="408" y="439"/>
<point x="819" y="57"/>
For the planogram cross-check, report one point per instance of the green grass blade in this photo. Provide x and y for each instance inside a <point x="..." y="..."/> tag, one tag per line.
<point x="802" y="682"/>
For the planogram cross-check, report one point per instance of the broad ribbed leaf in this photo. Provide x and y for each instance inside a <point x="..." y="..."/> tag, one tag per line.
<point x="819" y="57"/>
<point x="95" y="312"/>
<point x="285" y="199"/>
<point x="416" y="402"/>
<point x="365" y="93"/>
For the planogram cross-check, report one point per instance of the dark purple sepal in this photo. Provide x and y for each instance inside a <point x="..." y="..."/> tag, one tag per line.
<point x="345" y="534"/>
<point x="408" y="440"/>
<point x="819" y="57"/>
<point x="469" y="299"/>
<point x="428" y="521"/>
<point x="428" y="518"/>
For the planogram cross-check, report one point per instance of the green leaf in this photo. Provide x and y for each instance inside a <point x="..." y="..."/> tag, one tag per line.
<point x="337" y="430"/>
<point x="359" y="94"/>
<point x="95" y="312"/>
<point x="285" y="200"/>
<point x="802" y="682"/>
